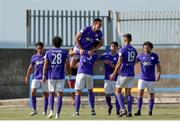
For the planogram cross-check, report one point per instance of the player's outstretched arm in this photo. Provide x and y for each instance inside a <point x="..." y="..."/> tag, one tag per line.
<point x="109" y="63"/>
<point x="158" y="72"/>
<point x="30" y="69"/>
<point x="118" y="65"/>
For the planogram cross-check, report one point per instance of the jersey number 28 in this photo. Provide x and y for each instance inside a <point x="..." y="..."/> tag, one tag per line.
<point x="56" y="58"/>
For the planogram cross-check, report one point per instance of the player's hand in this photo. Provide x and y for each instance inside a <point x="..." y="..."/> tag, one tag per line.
<point x="44" y="79"/>
<point x="112" y="76"/>
<point x="157" y="77"/>
<point x="81" y="51"/>
<point x="107" y="62"/>
<point x="26" y="81"/>
<point x="71" y="52"/>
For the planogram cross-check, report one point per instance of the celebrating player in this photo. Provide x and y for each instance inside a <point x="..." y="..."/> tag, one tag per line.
<point x="36" y="66"/>
<point x="110" y="59"/>
<point x="84" y="78"/>
<point x="148" y="60"/>
<point x="125" y="66"/>
<point x="55" y="60"/>
<point x="85" y="40"/>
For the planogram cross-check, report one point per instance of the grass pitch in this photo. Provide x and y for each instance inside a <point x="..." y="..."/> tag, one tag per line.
<point x="166" y="112"/>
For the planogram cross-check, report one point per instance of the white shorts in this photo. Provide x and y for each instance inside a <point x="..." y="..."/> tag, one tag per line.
<point x="76" y="50"/>
<point x="56" y="85"/>
<point x="36" y="83"/>
<point x="150" y="85"/>
<point x="125" y="82"/>
<point x="84" y="80"/>
<point x="109" y="86"/>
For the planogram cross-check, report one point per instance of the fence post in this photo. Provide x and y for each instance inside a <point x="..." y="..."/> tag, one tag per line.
<point x="109" y="29"/>
<point x="28" y="27"/>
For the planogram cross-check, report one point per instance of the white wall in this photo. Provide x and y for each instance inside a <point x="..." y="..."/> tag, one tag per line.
<point x="13" y="13"/>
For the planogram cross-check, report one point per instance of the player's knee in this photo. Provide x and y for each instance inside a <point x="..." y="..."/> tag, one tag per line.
<point x="59" y="93"/>
<point x="78" y="92"/>
<point x="107" y="95"/>
<point x="46" y="94"/>
<point x="33" y="93"/>
<point x="118" y="90"/>
<point x="152" y="95"/>
<point x="90" y="91"/>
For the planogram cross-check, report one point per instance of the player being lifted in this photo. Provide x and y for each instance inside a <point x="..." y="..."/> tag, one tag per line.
<point x="148" y="60"/>
<point x="55" y="60"/>
<point x="110" y="59"/>
<point x="85" y="39"/>
<point x="36" y="66"/>
<point x="125" y="66"/>
<point x="85" y="78"/>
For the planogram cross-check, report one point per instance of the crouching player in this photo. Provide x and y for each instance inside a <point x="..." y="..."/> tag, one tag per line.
<point x="55" y="60"/>
<point x="148" y="60"/>
<point x="110" y="59"/>
<point x="85" y="78"/>
<point x="36" y="66"/>
<point x="125" y="66"/>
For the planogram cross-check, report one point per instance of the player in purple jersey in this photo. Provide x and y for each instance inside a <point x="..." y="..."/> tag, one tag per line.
<point x="55" y="60"/>
<point x="110" y="59"/>
<point x="125" y="66"/>
<point x="85" y="78"/>
<point x="85" y="40"/>
<point x="148" y="60"/>
<point x="36" y="67"/>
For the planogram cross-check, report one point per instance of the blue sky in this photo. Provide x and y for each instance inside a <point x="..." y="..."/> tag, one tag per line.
<point x="13" y="13"/>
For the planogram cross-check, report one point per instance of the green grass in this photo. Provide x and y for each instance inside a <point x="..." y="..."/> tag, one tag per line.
<point x="160" y="113"/>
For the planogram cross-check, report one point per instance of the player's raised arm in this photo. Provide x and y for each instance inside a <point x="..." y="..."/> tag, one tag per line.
<point x="29" y="71"/>
<point x="158" y="75"/>
<point x="68" y="66"/>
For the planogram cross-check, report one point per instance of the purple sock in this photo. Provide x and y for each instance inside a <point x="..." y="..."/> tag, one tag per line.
<point x="117" y="105"/>
<point x="139" y="103"/>
<point x="129" y="102"/>
<point x="59" y="104"/>
<point x="108" y="101"/>
<point x="45" y="104"/>
<point x="91" y="100"/>
<point x="33" y="98"/>
<point x="120" y="100"/>
<point x="151" y="104"/>
<point x="51" y="102"/>
<point x="77" y="103"/>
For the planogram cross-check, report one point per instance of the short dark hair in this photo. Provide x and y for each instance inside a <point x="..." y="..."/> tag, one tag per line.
<point x="129" y="36"/>
<point x="150" y="44"/>
<point x="97" y="20"/>
<point x="57" y="41"/>
<point x="114" y="43"/>
<point x="39" y="44"/>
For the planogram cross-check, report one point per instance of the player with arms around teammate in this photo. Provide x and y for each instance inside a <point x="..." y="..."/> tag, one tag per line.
<point x="85" y="40"/>
<point x="148" y="60"/>
<point x="85" y="78"/>
<point x="36" y="66"/>
<point x="125" y="66"/>
<point x="55" y="60"/>
<point x="110" y="59"/>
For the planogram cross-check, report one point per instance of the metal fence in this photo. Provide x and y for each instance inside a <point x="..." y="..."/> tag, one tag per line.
<point x="160" y="27"/>
<point x="44" y="25"/>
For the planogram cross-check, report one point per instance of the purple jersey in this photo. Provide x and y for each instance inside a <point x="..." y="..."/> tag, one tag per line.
<point x="128" y="53"/>
<point x="89" y="37"/>
<point x="108" y="69"/>
<point x="37" y="61"/>
<point x="148" y="63"/>
<point x="86" y="63"/>
<point x="56" y="60"/>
